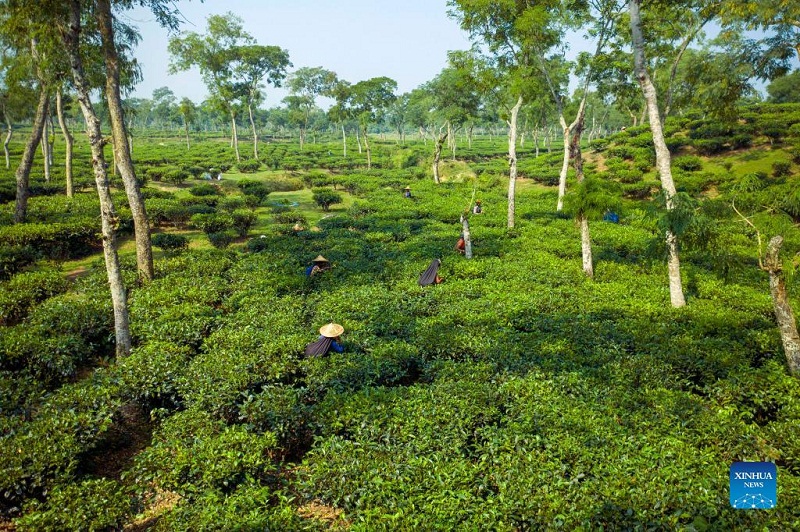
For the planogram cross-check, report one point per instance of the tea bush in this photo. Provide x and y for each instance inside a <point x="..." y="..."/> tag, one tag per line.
<point x="204" y="189"/>
<point x="516" y="395"/>
<point x="688" y="163"/>
<point x="24" y="290"/>
<point x="170" y="241"/>
<point x="192" y="453"/>
<point x="325" y="198"/>
<point x="248" y="167"/>
<point x="97" y="504"/>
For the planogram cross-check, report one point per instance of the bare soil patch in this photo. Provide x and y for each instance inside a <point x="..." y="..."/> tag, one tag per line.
<point x="317" y="510"/>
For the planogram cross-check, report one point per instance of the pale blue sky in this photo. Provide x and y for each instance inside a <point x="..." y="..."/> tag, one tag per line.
<point x="406" y="40"/>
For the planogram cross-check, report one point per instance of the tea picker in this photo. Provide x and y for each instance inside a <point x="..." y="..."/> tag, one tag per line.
<point x="318" y="265"/>
<point x="431" y="275"/>
<point x="327" y="341"/>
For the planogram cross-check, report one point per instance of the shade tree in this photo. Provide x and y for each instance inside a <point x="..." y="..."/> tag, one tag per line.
<point x="367" y="101"/>
<point x="453" y="96"/>
<point x="28" y="49"/>
<point x="779" y="19"/>
<point x="785" y="89"/>
<point x="531" y="37"/>
<point x="305" y="86"/>
<point x="188" y="111"/>
<point x="71" y="31"/>
<point x="163" y="106"/>
<point x="255" y="65"/>
<point x="397" y="115"/>
<point x="663" y="157"/>
<point x="213" y="54"/>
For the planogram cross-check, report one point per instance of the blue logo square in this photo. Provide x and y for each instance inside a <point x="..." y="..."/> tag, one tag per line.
<point x="754" y="485"/>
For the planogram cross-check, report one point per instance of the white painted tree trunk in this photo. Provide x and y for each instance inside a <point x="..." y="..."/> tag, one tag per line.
<point x="586" y="246"/>
<point x="69" y="142"/>
<point x="451" y="140"/>
<point x="186" y="132"/>
<point x="9" y="132"/>
<point x="24" y="169"/>
<point x="662" y="152"/>
<point x="367" y="148"/>
<point x="344" y="142"/>
<point x="583" y="221"/>
<point x="47" y="159"/>
<point x="437" y="155"/>
<point x="780" y="303"/>
<point x="108" y="215"/>
<point x="235" y="137"/>
<point x="51" y="139"/>
<point x="562" y="176"/>
<point x="512" y="161"/>
<point x="253" y="129"/>
<point x="467" y="236"/>
<point x="122" y="151"/>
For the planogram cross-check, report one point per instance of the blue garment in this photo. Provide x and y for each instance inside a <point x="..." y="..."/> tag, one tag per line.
<point x="322" y="346"/>
<point x="611" y="216"/>
<point x="308" y="270"/>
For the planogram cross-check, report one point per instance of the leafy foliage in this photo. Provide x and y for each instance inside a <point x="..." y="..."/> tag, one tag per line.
<point x="325" y="198"/>
<point x="515" y="395"/>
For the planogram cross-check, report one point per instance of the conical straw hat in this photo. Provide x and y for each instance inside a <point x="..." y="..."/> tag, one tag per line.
<point x="331" y="330"/>
<point x="320" y="258"/>
<point x="407" y="188"/>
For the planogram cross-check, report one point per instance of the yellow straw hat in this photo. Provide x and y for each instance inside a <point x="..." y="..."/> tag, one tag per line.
<point x="331" y="330"/>
<point x="320" y="258"/>
<point x="407" y="188"/>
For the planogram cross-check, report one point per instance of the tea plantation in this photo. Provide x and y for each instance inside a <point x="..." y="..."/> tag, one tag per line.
<point x="516" y="395"/>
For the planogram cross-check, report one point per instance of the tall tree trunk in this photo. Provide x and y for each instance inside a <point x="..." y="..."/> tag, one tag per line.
<point x="512" y="161"/>
<point x="45" y="142"/>
<point x="253" y="127"/>
<point x="566" y="131"/>
<point x="344" y="142"/>
<point x="9" y="131"/>
<point x="583" y="221"/>
<point x="358" y="138"/>
<point x="69" y="141"/>
<point x="122" y="152"/>
<point x="437" y="155"/>
<point x="235" y="136"/>
<point x="662" y="153"/>
<point x="451" y="140"/>
<point x="107" y="214"/>
<point x="186" y="131"/>
<point x="24" y="169"/>
<point x="467" y="236"/>
<point x="366" y="147"/>
<point x="51" y="137"/>
<point x="780" y="303"/>
<point x="569" y="131"/>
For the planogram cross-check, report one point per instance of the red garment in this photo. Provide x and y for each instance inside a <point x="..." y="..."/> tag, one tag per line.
<point x="461" y="245"/>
